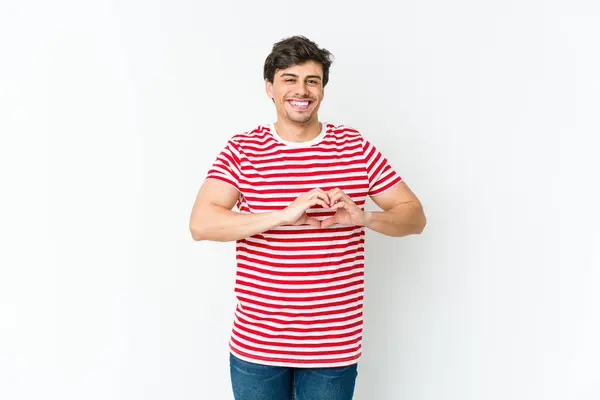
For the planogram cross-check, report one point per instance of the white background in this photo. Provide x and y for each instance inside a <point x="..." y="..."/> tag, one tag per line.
<point x="111" y="113"/>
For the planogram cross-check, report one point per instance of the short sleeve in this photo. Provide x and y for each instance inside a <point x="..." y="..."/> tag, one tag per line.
<point x="381" y="174"/>
<point x="227" y="166"/>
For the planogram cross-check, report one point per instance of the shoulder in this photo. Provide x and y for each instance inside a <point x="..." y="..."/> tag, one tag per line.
<point x="347" y="133"/>
<point x="342" y="130"/>
<point x="257" y="134"/>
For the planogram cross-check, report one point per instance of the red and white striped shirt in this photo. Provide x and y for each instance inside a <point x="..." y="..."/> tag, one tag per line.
<point x="300" y="288"/>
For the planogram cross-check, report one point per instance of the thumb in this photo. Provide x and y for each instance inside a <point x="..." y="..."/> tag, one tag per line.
<point x="313" y="221"/>
<point x="328" y="222"/>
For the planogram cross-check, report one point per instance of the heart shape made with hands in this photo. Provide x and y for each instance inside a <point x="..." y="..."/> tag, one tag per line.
<point x="346" y="211"/>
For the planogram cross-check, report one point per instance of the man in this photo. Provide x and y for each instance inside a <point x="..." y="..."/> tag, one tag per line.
<point x="300" y="185"/>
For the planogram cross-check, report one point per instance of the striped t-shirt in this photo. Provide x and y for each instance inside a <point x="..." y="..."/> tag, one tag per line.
<point x="300" y="288"/>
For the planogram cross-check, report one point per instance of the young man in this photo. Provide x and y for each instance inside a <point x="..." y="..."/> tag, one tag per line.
<point x="300" y="185"/>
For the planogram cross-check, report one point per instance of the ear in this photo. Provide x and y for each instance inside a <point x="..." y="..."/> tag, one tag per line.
<point x="269" y="88"/>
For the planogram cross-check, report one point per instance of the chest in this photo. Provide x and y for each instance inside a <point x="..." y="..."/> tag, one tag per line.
<point x="272" y="179"/>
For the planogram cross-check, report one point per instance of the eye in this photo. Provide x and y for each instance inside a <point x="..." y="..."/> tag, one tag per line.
<point x="312" y="81"/>
<point x="290" y="80"/>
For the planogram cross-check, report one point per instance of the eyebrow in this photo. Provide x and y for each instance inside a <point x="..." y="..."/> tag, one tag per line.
<point x="295" y="76"/>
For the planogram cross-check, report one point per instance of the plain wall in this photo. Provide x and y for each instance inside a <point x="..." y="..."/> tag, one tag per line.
<point x="112" y="112"/>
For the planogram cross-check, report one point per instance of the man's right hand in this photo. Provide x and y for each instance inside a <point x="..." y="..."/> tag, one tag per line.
<point x="295" y="213"/>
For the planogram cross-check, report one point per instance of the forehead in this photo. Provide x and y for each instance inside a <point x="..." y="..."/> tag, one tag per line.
<point x="306" y="68"/>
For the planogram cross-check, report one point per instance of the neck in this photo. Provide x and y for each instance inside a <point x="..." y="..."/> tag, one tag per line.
<point x="294" y="132"/>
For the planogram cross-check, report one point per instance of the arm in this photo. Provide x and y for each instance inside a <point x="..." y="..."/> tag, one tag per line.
<point x="213" y="219"/>
<point x="402" y="212"/>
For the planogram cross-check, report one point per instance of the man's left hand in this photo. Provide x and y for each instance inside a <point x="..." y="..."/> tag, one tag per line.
<point x="346" y="211"/>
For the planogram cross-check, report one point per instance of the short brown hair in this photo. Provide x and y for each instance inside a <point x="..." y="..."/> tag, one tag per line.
<point x="296" y="50"/>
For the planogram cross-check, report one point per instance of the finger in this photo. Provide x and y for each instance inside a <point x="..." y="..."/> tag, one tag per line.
<point x="336" y="197"/>
<point x="331" y="193"/>
<point x="313" y="222"/>
<point x="306" y="220"/>
<point x="321" y="194"/>
<point x="340" y="195"/>
<point x="327" y="222"/>
<point x="338" y="204"/>
<point x="341" y="204"/>
<point x="319" y="202"/>
<point x="317" y="190"/>
<point x="315" y="201"/>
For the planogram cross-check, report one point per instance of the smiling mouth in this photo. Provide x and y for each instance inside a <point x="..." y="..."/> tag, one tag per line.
<point x="300" y="104"/>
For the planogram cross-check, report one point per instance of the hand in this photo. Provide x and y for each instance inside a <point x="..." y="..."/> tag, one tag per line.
<point x="295" y="213"/>
<point x="347" y="212"/>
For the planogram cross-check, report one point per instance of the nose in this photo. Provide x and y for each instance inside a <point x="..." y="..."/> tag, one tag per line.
<point x="302" y="88"/>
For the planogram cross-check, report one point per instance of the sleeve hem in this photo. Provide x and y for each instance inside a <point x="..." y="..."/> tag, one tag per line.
<point x="393" y="184"/>
<point x="222" y="179"/>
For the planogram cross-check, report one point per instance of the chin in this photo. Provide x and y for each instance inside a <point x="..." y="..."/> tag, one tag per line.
<point x="300" y="119"/>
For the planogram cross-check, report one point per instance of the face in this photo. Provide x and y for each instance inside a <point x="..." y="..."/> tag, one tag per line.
<point x="297" y="92"/>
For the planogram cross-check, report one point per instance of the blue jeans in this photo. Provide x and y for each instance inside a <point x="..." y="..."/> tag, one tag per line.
<point x="252" y="381"/>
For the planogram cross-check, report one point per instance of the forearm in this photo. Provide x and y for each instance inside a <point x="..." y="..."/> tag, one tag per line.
<point x="402" y="220"/>
<point x="219" y="224"/>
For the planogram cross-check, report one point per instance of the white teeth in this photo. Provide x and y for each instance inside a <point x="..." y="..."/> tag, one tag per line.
<point x="300" y="103"/>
